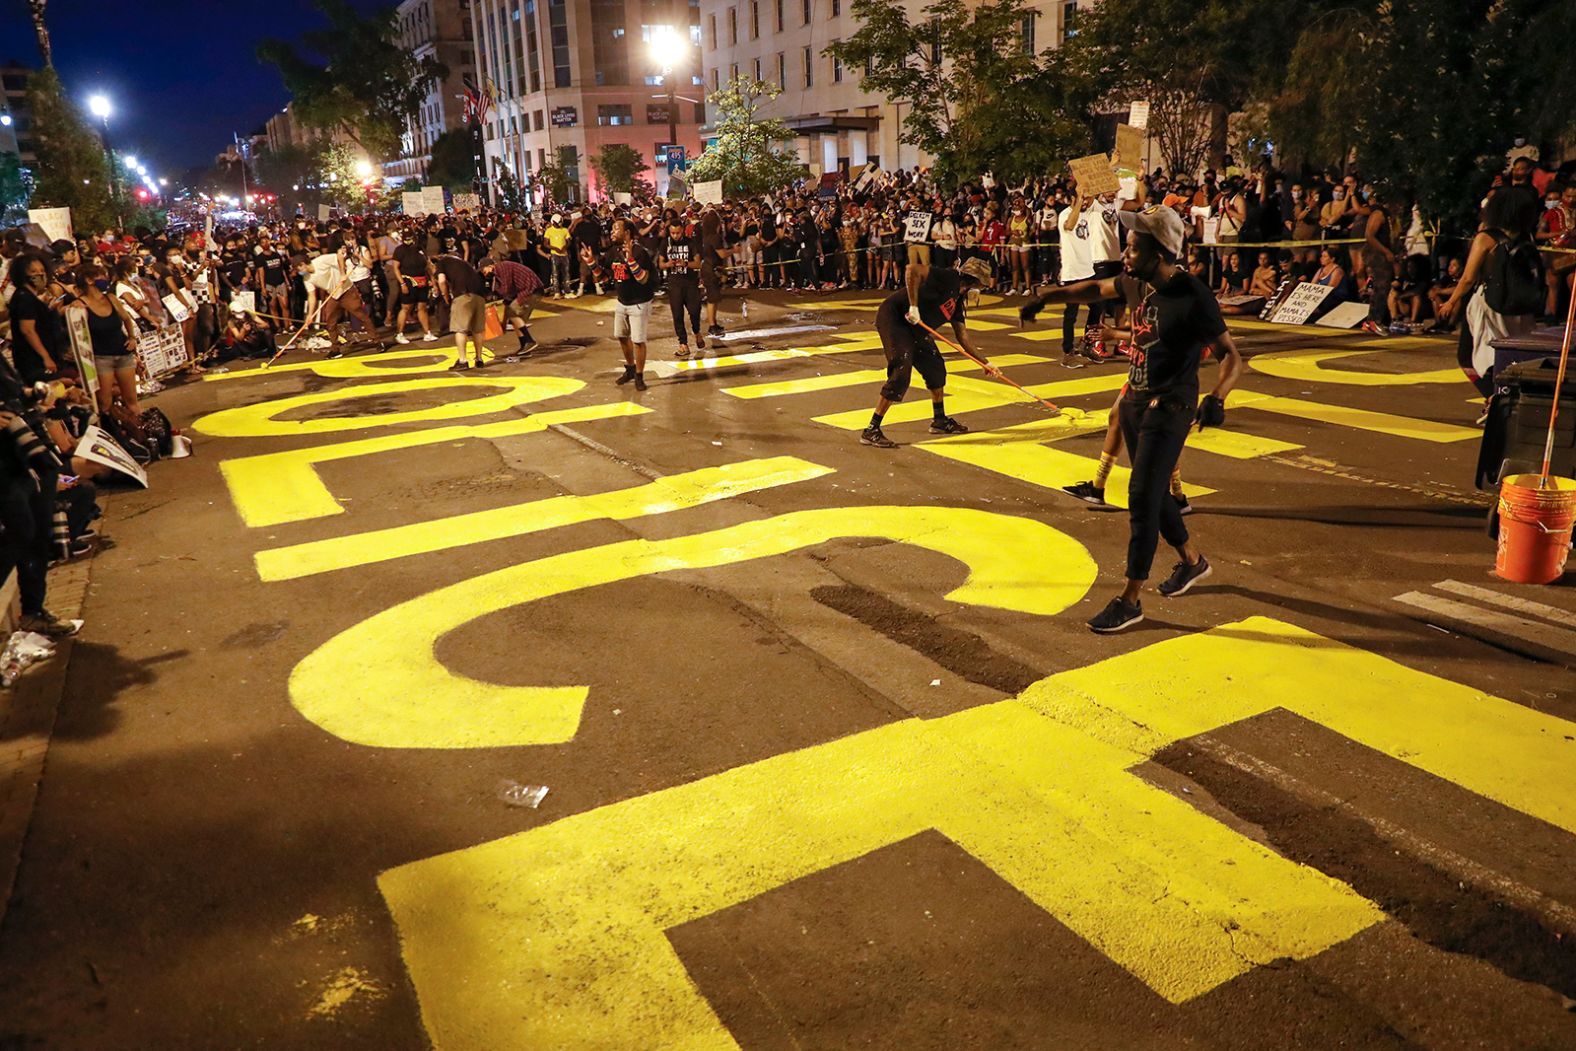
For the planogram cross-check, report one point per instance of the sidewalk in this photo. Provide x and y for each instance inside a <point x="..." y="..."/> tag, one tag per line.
<point x="27" y="719"/>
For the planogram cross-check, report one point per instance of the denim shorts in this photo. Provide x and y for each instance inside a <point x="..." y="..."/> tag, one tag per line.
<point x="118" y="363"/>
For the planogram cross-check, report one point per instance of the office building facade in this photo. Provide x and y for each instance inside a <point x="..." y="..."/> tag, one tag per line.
<point x="441" y="29"/>
<point x="16" y="118"/>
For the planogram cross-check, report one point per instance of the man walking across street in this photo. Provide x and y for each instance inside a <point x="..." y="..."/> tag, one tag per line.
<point x="681" y="259"/>
<point x="931" y="296"/>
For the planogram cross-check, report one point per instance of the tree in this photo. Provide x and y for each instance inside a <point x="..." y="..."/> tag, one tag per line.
<point x="72" y="171"/>
<point x="745" y="154"/>
<point x="618" y="168"/>
<point x="551" y="177"/>
<point x="16" y="188"/>
<point x="453" y="162"/>
<point x="339" y="180"/>
<point x="367" y="86"/>
<point x="978" y="100"/>
<point x="36" y="8"/>
<point x="289" y="167"/>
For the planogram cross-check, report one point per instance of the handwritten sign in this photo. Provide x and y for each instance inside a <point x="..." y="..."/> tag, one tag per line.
<point x="1300" y="305"/>
<point x="244" y="301"/>
<point x="709" y="192"/>
<point x="177" y="309"/>
<point x="1130" y="147"/>
<point x="916" y="227"/>
<point x="1138" y="115"/>
<point x="55" y="222"/>
<point x="432" y="200"/>
<point x="1094" y="175"/>
<point x="467" y="202"/>
<point x="324" y="213"/>
<point x="411" y="201"/>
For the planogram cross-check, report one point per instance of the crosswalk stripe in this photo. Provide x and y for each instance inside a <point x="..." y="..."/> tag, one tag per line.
<point x="1558" y="640"/>
<point x="1520" y="605"/>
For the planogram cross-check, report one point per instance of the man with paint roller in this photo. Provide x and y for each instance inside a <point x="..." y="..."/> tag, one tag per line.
<point x="931" y="297"/>
<point x="1160" y="404"/>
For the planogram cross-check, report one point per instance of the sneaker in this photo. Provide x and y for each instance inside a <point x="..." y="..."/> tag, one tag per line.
<point x="682" y="352"/>
<point x="1373" y="328"/>
<point x="640" y="381"/>
<point x="1117" y="616"/>
<point x="429" y="338"/>
<point x="527" y="349"/>
<point x="947" y="425"/>
<point x="402" y="338"/>
<point x="1073" y="361"/>
<point x="482" y="364"/>
<point x="1089" y="493"/>
<point x="873" y="436"/>
<point x="335" y="353"/>
<point x="629" y="374"/>
<point x="459" y="366"/>
<point x="700" y="342"/>
<point x="80" y="546"/>
<point x="49" y="625"/>
<point x="1185" y="576"/>
<point x="1183" y="507"/>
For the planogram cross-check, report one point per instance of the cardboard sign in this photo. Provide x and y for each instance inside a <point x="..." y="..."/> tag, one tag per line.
<point x="324" y="213"/>
<point x="177" y="309"/>
<point x="517" y="239"/>
<point x="162" y="350"/>
<point x="1138" y="115"/>
<point x="411" y="202"/>
<point x="622" y="198"/>
<point x="468" y="202"/>
<point x="678" y="186"/>
<point x="432" y="200"/>
<point x="1345" y="315"/>
<point x="709" y="192"/>
<point x="1094" y="175"/>
<point x="1300" y="305"/>
<point x="98" y="447"/>
<point x="1212" y="229"/>
<point x="82" y="346"/>
<point x="246" y="300"/>
<point x="1130" y="147"/>
<point x="55" y="222"/>
<point x="916" y="228"/>
<point x="866" y="177"/>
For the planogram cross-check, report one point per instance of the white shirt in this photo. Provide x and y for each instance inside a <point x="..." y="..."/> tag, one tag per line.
<point x="1102" y="233"/>
<point x="326" y="275"/>
<point x="945" y="235"/>
<point x="1077" y="263"/>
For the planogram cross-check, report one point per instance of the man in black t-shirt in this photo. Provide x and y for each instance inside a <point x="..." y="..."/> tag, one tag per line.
<point x="464" y="290"/>
<point x="410" y="271"/>
<point x="934" y="297"/>
<point x="681" y="260"/>
<point x="1170" y="329"/>
<point x="633" y="273"/>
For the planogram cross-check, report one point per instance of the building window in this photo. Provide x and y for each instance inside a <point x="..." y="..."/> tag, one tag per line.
<point x="733" y="26"/>
<point x="536" y="121"/>
<point x="656" y="113"/>
<point x="806" y="5"/>
<point x="809" y="67"/>
<point x="755" y="19"/>
<point x="1069" y="19"/>
<point x="782" y="71"/>
<point x="558" y="26"/>
<point x="700" y="113"/>
<point x="757" y="69"/>
<point x="615" y="114"/>
<point x="733" y="72"/>
<point x="837" y="8"/>
<point x="533" y="47"/>
<point x="712" y="22"/>
<point x="716" y="80"/>
<point x="779" y="4"/>
<point x="609" y="49"/>
<point x="1026" y="34"/>
<point x="837" y="67"/>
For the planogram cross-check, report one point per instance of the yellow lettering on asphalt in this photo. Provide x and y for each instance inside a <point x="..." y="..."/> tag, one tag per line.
<point x="860" y="377"/>
<point x="1358" y="419"/>
<point x="367" y="366"/>
<point x="261" y="420"/>
<point x="555" y="937"/>
<point x="848" y="343"/>
<point x="1308" y="366"/>
<point x="380" y="683"/>
<point x="966" y="394"/>
<point x="274" y="488"/>
<point x="671" y="493"/>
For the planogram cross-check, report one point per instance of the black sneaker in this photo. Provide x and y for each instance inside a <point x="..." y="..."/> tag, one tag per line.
<point x="873" y="436"/>
<point x="459" y="366"/>
<point x="640" y="381"/>
<point x="1183" y="507"/>
<point x="334" y="353"/>
<point x="947" y="425"/>
<point x="1117" y="616"/>
<point x="1185" y="576"/>
<point x="49" y="625"/>
<point x="1089" y="493"/>
<point x="629" y="374"/>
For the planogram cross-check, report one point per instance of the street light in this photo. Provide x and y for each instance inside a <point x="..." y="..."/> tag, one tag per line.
<point x="99" y="106"/>
<point x="364" y="168"/>
<point x="669" y="48"/>
<point x="131" y="162"/>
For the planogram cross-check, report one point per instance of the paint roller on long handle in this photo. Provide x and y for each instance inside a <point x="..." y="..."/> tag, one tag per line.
<point x="990" y="370"/>
<point x="1559" y="387"/>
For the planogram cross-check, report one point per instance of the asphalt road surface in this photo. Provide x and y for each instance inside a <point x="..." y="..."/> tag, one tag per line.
<point x="832" y="759"/>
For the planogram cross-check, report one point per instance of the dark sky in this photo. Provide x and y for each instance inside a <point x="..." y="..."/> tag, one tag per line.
<point x="182" y="74"/>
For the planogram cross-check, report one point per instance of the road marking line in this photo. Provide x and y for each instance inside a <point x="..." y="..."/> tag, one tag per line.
<point x="1360" y="419"/>
<point x="359" y="367"/>
<point x="1306" y="365"/>
<point x="275" y="488"/>
<point x="835" y="380"/>
<point x="971" y="395"/>
<point x="1557" y="639"/>
<point x="380" y="682"/>
<point x="1520" y="605"/>
<point x="670" y="493"/>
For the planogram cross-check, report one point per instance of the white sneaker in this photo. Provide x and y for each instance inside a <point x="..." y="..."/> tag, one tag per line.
<point x="429" y="338"/>
<point x="401" y="338"/>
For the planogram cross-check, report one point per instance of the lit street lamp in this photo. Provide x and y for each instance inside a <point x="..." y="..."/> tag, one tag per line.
<point x="99" y="106"/>
<point x="670" y="48"/>
<point x="364" y="168"/>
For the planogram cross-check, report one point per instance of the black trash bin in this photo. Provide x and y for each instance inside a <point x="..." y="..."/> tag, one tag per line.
<point x="1518" y="424"/>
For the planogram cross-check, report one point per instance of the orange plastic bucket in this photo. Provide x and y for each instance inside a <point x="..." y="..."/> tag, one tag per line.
<point x="1534" y="528"/>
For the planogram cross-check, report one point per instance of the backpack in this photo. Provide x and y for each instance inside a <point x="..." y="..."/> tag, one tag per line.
<point x="1513" y="281"/>
<point x="159" y="432"/>
<point x="129" y="434"/>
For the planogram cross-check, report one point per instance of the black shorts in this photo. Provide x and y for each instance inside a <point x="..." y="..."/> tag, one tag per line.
<point x="907" y="349"/>
<point x="711" y="282"/>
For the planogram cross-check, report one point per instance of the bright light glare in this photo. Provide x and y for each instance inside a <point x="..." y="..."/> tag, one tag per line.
<point x="666" y="46"/>
<point x="5" y="120"/>
<point x="99" y="106"/>
<point x="131" y="162"/>
<point x="164" y="182"/>
<point x="364" y="168"/>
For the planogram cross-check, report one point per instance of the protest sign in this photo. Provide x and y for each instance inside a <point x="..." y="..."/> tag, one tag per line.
<point x="1211" y="229"/>
<point x="866" y="177"/>
<point x="468" y="202"/>
<point x="98" y="447"/>
<point x="411" y="201"/>
<point x="1300" y="305"/>
<point x="709" y="192"/>
<point x="1138" y="115"/>
<point x="245" y="300"/>
<point x="1129" y="147"/>
<point x="829" y="184"/>
<point x="1345" y="315"/>
<point x="678" y="186"/>
<point x="1094" y="175"/>
<point x="622" y="198"/>
<point x="324" y="213"/>
<point x="916" y="228"/>
<point x="55" y="222"/>
<point x="177" y="309"/>
<point x="432" y="200"/>
<point x="162" y="350"/>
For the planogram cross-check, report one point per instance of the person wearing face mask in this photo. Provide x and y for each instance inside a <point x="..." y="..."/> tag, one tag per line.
<point x="41" y="343"/>
<point x="1334" y="217"/>
<point x="106" y="327"/>
<point x="1018" y="249"/>
<point x="1557" y="229"/>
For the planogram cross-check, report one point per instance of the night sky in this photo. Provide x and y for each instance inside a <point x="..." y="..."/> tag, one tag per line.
<point x="182" y="74"/>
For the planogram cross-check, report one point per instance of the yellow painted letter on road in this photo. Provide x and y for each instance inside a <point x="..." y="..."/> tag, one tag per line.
<point x="274" y="488"/>
<point x="555" y="937"/>
<point x="380" y="683"/>
<point x="261" y="420"/>
<point x="1308" y="366"/>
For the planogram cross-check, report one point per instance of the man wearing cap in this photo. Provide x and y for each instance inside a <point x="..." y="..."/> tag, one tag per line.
<point x="930" y="298"/>
<point x="555" y="239"/>
<point x="1171" y="328"/>
<point x="516" y="285"/>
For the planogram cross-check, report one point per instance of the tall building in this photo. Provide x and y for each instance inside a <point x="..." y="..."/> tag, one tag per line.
<point x="16" y="119"/>
<point x="442" y="29"/>
<point x="837" y="123"/>
<point x="282" y="129"/>
<point x="567" y="77"/>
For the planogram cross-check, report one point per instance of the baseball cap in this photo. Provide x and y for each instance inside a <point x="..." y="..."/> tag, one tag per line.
<point x="1159" y="222"/>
